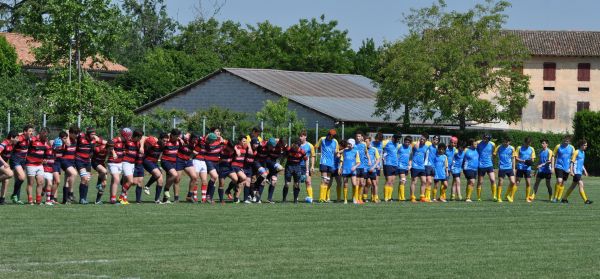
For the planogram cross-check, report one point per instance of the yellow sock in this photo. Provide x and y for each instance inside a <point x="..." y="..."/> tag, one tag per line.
<point x="389" y="192"/>
<point x="413" y="198"/>
<point x="346" y="193"/>
<point x="469" y="192"/>
<point x="499" y="192"/>
<point x="494" y="189"/>
<point x="434" y="192"/>
<point x="309" y="192"/>
<point x="359" y="193"/>
<point x="428" y="193"/>
<point x="556" y="190"/>
<point x="338" y="190"/>
<point x="583" y="195"/>
<point x="328" y="193"/>
<point x="513" y="191"/>
<point x="365" y="196"/>
<point x="401" y="192"/>
<point x="375" y="198"/>
<point x="527" y="191"/>
<point x="569" y="191"/>
<point x="354" y="192"/>
<point x="559" y="194"/>
<point x="443" y="192"/>
<point x="479" y="193"/>
<point x="322" y="192"/>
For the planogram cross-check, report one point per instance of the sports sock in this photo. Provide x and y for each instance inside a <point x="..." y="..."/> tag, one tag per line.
<point x="48" y="195"/>
<point x="428" y="193"/>
<point x="323" y="192"/>
<point x="569" y="191"/>
<point x="271" y="191"/>
<point x="151" y="181"/>
<point x="345" y="194"/>
<point x="556" y="190"/>
<point x="479" y="193"/>
<point x="401" y="194"/>
<point x="65" y="194"/>
<point x="494" y="189"/>
<point x="82" y="191"/>
<point x="285" y="192"/>
<point x="338" y="190"/>
<point x="434" y="192"/>
<point x="583" y="195"/>
<point x="513" y="191"/>
<point x="296" y="193"/>
<point x="443" y="192"/>
<point x="328" y="194"/>
<point x="309" y="191"/>
<point x="499" y="192"/>
<point x="261" y="188"/>
<point x="230" y="187"/>
<point x="157" y="193"/>
<point x="195" y="193"/>
<point x="355" y="192"/>
<point x="204" y="189"/>
<point x="138" y="194"/>
<point x="527" y="191"/>
<point x="359" y="193"/>
<point x="17" y="189"/>
<point x="38" y="199"/>
<point x="211" y="190"/>
<point x="246" y="193"/>
<point x="559" y="193"/>
<point x="221" y="192"/>
<point x="375" y="198"/>
<point x="99" y="196"/>
<point x="469" y="192"/>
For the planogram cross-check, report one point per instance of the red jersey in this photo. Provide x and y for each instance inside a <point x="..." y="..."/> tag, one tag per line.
<point x="118" y="145"/>
<point x="85" y="148"/>
<point x="68" y="151"/>
<point x="152" y="149"/>
<point x="169" y="152"/>
<point x="58" y="152"/>
<point x="100" y="154"/>
<point x="227" y="154"/>
<point x="213" y="151"/>
<point x="185" y="151"/>
<point x="21" y="147"/>
<point x="249" y="160"/>
<point x="238" y="160"/>
<point x="200" y="150"/>
<point x="294" y="157"/>
<point x="37" y="152"/>
<point x="262" y="153"/>
<point x="276" y="152"/>
<point x="6" y="149"/>
<point x="49" y="164"/>
<point x="132" y="149"/>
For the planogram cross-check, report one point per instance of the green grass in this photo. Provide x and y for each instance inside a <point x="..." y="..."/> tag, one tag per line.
<point x="456" y="239"/>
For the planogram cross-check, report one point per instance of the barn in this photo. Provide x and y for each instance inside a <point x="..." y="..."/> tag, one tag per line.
<point x="324" y="97"/>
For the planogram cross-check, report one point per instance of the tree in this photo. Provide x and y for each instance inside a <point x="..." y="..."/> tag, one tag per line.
<point x="366" y="59"/>
<point x="160" y="120"/>
<point x="217" y="117"/>
<point x="403" y="79"/>
<point x="21" y="99"/>
<point x="277" y="117"/>
<point x="8" y="59"/>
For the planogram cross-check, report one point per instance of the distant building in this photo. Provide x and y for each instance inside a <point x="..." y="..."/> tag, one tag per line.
<point x="324" y="97"/>
<point x="564" y="72"/>
<point x="24" y="45"/>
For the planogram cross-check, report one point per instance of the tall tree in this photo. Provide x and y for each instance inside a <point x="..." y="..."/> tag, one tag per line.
<point x="366" y="59"/>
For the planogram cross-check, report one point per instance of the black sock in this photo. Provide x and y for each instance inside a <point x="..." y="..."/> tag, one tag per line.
<point x="296" y="193"/>
<point x="151" y="181"/>
<point x="230" y="187"/>
<point x="17" y="190"/>
<point x="261" y="188"/>
<point x="158" y="191"/>
<point x="271" y="191"/>
<point x="138" y="194"/>
<point x="211" y="190"/>
<point x="176" y="198"/>
<point x="2" y="200"/>
<point x="221" y="192"/>
<point x="165" y="199"/>
<point x="85" y="191"/>
<point x="285" y="192"/>
<point x="65" y="194"/>
<point x="99" y="196"/>
<point x="246" y="193"/>
<point x="81" y="191"/>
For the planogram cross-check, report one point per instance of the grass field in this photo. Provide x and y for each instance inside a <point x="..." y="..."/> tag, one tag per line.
<point x="399" y="239"/>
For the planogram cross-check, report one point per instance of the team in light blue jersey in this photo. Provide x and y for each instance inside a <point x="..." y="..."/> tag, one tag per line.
<point x="577" y="169"/>
<point x="440" y="173"/>
<point x="524" y="156"/>
<point x="456" y="167"/>
<point x="486" y="148"/>
<point x="471" y="165"/>
<point x="419" y="157"/>
<point x="544" y="170"/>
<point x="562" y="162"/>
<point x="506" y="168"/>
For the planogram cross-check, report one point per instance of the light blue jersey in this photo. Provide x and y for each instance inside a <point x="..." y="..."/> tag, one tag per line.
<point x="404" y="153"/>
<point x="440" y="165"/>
<point x="562" y="156"/>
<point x="328" y="147"/>
<point x="419" y="153"/>
<point x="390" y="153"/>
<point x="457" y="161"/>
<point x="525" y="153"/>
<point x="578" y="159"/>
<point x="362" y="153"/>
<point x="471" y="159"/>
<point x="348" y="160"/>
<point x="505" y="155"/>
<point x="545" y="159"/>
<point x="486" y="151"/>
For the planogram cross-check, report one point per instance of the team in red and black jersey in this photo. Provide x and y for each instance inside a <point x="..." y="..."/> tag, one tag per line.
<point x="6" y="148"/>
<point x="294" y="156"/>
<point x="38" y="154"/>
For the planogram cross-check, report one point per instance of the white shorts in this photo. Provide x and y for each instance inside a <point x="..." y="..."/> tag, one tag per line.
<point x="200" y="166"/>
<point x="34" y="170"/>
<point x="115" y="168"/>
<point x="48" y="176"/>
<point x="128" y="168"/>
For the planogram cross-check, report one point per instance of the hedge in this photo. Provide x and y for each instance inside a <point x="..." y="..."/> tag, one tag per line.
<point x="587" y="126"/>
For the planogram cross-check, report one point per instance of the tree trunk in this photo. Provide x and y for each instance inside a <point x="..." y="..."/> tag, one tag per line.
<point x="462" y="121"/>
<point x="406" y="118"/>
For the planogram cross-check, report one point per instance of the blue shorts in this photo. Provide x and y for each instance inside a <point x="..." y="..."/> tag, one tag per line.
<point x="65" y="164"/>
<point x="326" y="169"/>
<point x="470" y="174"/>
<point x="484" y="171"/>
<point x="168" y="166"/>
<point x="182" y="164"/>
<point x="83" y="165"/>
<point x="417" y="173"/>
<point x="524" y="173"/>
<point x="429" y="171"/>
<point x="389" y="170"/>
<point x="303" y="169"/>
<point x="236" y="169"/>
<point x="293" y="171"/>
<point x="378" y="171"/>
<point x="16" y="161"/>
<point x="507" y="173"/>
<point x="56" y="166"/>
<point x="210" y="165"/>
<point x="577" y="178"/>
<point x="401" y="171"/>
<point x="224" y="170"/>
<point x="544" y="175"/>
<point x="456" y="175"/>
<point x="149" y="166"/>
<point x="351" y="174"/>
<point x="138" y="170"/>
<point x="96" y="164"/>
<point x="248" y="172"/>
<point x="360" y="172"/>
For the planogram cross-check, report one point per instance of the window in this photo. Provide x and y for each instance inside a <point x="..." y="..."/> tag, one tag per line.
<point x="583" y="89"/>
<point x="583" y="72"/>
<point x="548" y="88"/>
<point x="583" y="106"/>
<point x="548" y="110"/>
<point x="549" y="71"/>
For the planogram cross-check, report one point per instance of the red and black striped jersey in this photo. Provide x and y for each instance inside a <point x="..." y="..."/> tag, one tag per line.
<point x="227" y="154"/>
<point x="152" y="149"/>
<point x="295" y="156"/>
<point x="276" y="152"/>
<point x="262" y="152"/>
<point x="118" y="145"/>
<point x="185" y="151"/>
<point x="213" y="150"/>
<point x="68" y="151"/>
<point x="249" y="160"/>
<point x="199" y="150"/>
<point x="37" y="152"/>
<point x="238" y="160"/>
<point x="100" y="154"/>
<point x="132" y="149"/>
<point x="50" y="157"/>
<point x="58" y="152"/>
<point x="169" y="152"/>
<point x="85" y="148"/>
<point x="6" y="149"/>
<point x="21" y="147"/>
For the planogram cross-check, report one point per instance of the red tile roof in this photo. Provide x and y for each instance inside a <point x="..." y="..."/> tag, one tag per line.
<point x="560" y="43"/>
<point x="24" y="44"/>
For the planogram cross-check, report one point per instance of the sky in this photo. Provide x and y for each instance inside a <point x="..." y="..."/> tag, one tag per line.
<point x="382" y="19"/>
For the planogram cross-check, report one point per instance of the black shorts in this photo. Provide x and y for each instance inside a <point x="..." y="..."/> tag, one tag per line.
<point x="138" y="170"/>
<point x="210" y="165"/>
<point x="523" y="173"/>
<point x="401" y="171"/>
<point x="507" y="173"/>
<point x="65" y="164"/>
<point x="544" y="175"/>
<point x="439" y="180"/>
<point x="149" y="166"/>
<point x="334" y="173"/>
<point x="360" y="173"/>
<point x="470" y="174"/>
<point x="56" y="166"/>
<point x="417" y="173"/>
<point x="181" y="164"/>
<point x="167" y="165"/>
<point x="293" y="171"/>
<point x="456" y="175"/>
<point x="16" y="161"/>
<point x="484" y="171"/>
<point x="429" y="171"/>
<point x="561" y="174"/>
<point x="389" y="170"/>
<point x="83" y="165"/>
<point x="326" y="169"/>
<point x="577" y="178"/>
<point x="224" y="170"/>
<point x="372" y="175"/>
<point x="352" y="174"/>
<point x="95" y="164"/>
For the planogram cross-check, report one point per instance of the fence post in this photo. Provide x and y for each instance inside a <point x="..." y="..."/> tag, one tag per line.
<point x="343" y="130"/>
<point x="79" y="120"/>
<point x="316" y="131"/>
<point x="262" y="127"/>
<point x="112" y="123"/>
<point x="173" y="122"/>
<point x="144" y="124"/>
<point x="233" y="133"/>
<point x="204" y="126"/>
<point x="44" y="121"/>
<point x="290" y="133"/>
<point x="8" y="120"/>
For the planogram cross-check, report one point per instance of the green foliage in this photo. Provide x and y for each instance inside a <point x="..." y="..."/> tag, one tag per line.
<point x="20" y="97"/>
<point x="8" y="59"/>
<point x="587" y="126"/>
<point x="96" y="100"/>
<point x="277" y="118"/>
<point x="217" y="117"/>
<point x="159" y="120"/>
<point x="366" y="59"/>
<point x="471" y="63"/>
<point x="93" y="24"/>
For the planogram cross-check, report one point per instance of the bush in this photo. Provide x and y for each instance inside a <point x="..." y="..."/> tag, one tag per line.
<point x="587" y="126"/>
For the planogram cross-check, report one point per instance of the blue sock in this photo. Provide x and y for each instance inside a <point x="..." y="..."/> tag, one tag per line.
<point x="17" y="190"/>
<point x="157" y="193"/>
<point x="85" y="191"/>
<point x="81" y="191"/>
<point x="221" y="192"/>
<point x="246" y="193"/>
<point x="285" y="192"/>
<point x="261" y="188"/>
<point x="296" y="193"/>
<point x="138" y="194"/>
<point x="65" y="194"/>
<point x="271" y="191"/>
<point x="151" y="181"/>
<point x="210" y="193"/>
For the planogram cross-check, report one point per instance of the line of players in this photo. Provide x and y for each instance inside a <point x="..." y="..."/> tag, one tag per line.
<point x="359" y="162"/>
<point x="250" y="163"/>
